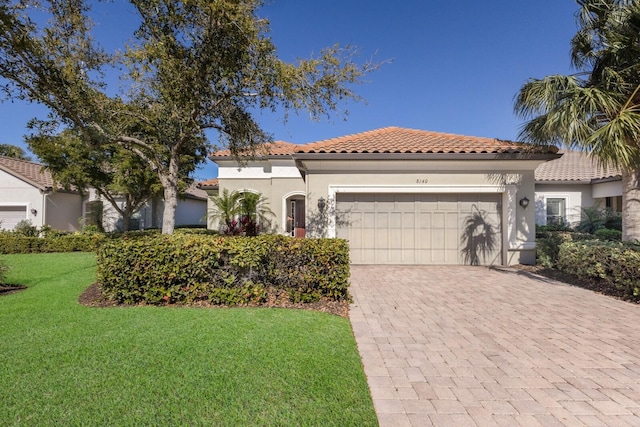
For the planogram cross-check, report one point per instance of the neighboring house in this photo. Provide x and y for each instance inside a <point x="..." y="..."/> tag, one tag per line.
<point x="211" y="188"/>
<point x="574" y="181"/>
<point x="401" y="196"/>
<point x="191" y="211"/>
<point x="27" y="191"/>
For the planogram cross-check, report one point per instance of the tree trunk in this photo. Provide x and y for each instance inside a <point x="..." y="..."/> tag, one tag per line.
<point x="170" y="185"/>
<point x="126" y="220"/>
<point x="631" y="205"/>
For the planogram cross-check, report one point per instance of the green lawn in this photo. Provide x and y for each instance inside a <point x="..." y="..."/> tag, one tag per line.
<point x="65" y="364"/>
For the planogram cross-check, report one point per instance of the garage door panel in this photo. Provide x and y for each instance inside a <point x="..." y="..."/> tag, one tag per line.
<point x="416" y="228"/>
<point x="382" y="220"/>
<point x="369" y="220"/>
<point x="437" y="239"/>
<point x="408" y="238"/>
<point x="382" y="237"/>
<point x="395" y="220"/>
<point x="409" y="219"/>
<point x="451" y="220"/>
<point x="438" y="220"/>
<point x="452" y="239"/>
<point x="395" y="238"/>
<point x="10" y="216"/>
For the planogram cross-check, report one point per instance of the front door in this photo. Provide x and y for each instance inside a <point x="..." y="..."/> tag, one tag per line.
<point x="296" y="212"/>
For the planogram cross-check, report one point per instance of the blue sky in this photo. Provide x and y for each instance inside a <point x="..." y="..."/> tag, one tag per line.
<point x="454" y="66"/>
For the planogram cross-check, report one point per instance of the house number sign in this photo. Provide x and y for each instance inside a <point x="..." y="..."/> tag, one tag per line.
<point x="422" y="181"/>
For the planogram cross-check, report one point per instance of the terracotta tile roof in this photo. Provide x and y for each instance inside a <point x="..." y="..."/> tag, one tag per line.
<point x="210" y="184"/>
<point x="276" y="148"/>
<point x="574" y="166"/>
<point x="31" y="173"/>
<point x="401" y="140"/>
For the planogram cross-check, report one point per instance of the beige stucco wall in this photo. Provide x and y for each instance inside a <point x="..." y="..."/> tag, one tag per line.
<point x="577" y="196"/>
<point x="513" y="179"/>
<point x="274" y="189"/>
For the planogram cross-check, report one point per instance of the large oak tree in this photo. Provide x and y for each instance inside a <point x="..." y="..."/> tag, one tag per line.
<point x="191" y="66"/>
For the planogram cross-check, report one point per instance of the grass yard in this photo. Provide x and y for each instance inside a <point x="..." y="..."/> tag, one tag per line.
<point x="65" y="364"/>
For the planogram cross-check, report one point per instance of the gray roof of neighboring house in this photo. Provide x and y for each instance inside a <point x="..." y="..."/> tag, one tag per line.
<point x="575" y="167"/>
<point x="195" y="192"/>
<point x="32" y="173"/>
<point x="37" y="175"/>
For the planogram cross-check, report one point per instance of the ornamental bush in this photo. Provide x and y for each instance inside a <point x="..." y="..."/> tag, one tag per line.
<point x="14" y="243"/>
<point x="222" y="270"/>
<point x="548" y="244"/>
<point x="615" y="263"/>
<point x="608" y="234"/>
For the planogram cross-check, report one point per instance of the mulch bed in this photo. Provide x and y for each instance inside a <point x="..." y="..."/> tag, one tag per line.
<point x="92" y="297"/>
<point x="599" y="286"/>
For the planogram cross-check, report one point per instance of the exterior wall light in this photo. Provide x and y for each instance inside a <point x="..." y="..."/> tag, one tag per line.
<point x="322" y="204"/>
<point x="34" y="212"/>
<point x="524" y="202"/>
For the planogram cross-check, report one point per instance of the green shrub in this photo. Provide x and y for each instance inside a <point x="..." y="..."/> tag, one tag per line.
<point x="26" y="228"/>
<point x="548" y="244"/>
<point x="222" y="270"/>
<point x="615" y="263"/>
<point x="553" y="227"/>
<point x="14" y="243"/>
<point x="607" y="234"/>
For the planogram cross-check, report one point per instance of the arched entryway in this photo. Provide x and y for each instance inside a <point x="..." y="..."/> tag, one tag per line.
<point x="294" y="214"/>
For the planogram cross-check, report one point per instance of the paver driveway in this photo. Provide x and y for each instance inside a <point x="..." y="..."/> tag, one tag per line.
<point x="477" y="346"/>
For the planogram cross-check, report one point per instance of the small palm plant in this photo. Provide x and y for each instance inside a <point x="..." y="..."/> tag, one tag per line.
<point x="225" y="210"/>
<point x="241" y="213"/>
<point x="255" y="215"/>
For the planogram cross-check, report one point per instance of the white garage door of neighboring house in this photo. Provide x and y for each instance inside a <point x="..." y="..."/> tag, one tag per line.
<point x="11" y="215"/>
<point x="421" y="228"/>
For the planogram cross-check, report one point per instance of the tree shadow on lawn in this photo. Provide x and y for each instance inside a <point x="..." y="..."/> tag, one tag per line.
<point x="9" y="289"/>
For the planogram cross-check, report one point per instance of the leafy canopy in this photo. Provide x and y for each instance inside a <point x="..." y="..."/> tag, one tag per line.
<point x="192" y="66"/>
<point x="596" y="110"/>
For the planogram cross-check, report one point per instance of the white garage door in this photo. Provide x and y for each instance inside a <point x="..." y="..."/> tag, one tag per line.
<point x="421" y="228"/>
<point x="11" y="215"/>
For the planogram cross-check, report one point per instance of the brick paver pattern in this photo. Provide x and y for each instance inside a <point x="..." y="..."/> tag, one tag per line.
<point x="458" y="346"/>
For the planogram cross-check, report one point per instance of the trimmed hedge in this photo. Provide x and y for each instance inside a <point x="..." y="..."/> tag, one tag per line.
<point x="222" y="270"/>
<point x="14" y="243"/>
<point x="616" y="263"/>
<point x="608" y="234"/>
<point x="548" y="244"/>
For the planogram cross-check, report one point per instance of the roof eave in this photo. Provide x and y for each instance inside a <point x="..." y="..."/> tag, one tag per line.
<point x="426" y="156"/>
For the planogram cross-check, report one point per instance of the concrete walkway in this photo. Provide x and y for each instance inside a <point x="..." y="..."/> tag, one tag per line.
<point x="456" y="346"/>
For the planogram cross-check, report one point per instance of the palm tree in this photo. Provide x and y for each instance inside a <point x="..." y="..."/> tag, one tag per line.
<point x="14" y="151"/>
<point x="255" y="215"/>
<point x="240" y="213"/>
<point x="596" y="110"/>
<point x="225" y="210"/>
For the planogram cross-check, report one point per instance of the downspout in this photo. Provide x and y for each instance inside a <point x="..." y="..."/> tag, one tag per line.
<point x="45" y="192"/>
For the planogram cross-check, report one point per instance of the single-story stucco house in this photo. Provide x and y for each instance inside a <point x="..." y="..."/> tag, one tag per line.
<point x="401" y="196"/>
<point x="28" y="191"/>
<point x="575" y="181"/>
